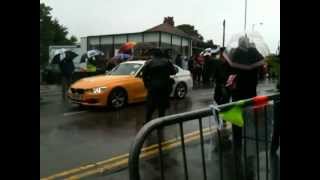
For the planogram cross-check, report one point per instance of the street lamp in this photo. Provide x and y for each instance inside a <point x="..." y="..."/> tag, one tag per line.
<point x="245" y="16"/>
<point x="255" y="24"/>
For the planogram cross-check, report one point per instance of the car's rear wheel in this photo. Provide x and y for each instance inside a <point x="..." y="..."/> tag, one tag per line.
<point x="181" y="91"/>
<point x="117" y="98"/>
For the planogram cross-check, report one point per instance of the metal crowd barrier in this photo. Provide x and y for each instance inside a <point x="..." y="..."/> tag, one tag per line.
<point x="178" y="119"/>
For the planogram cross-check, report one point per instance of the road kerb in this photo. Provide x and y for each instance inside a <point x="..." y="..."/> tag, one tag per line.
<point x="122" y="160"/>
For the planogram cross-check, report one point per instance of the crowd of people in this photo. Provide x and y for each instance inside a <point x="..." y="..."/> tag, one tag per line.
<point x="204" y="68"/>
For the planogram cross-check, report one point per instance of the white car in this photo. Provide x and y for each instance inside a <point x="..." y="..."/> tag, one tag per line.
<point x="183" y="81"/>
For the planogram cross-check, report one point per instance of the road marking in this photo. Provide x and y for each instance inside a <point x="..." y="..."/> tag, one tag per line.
<point x="121" y="161"/>
<point x="73" y="113"/>
<point x="145" y="155"/>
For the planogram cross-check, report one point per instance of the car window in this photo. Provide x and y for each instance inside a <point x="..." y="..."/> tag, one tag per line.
<point x="126" y="69"/>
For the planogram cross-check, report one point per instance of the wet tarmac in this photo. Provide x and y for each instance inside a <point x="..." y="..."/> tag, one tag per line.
<point x="71" y="137"/>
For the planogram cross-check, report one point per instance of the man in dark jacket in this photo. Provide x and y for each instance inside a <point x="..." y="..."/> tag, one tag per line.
<point x="156" y="77"/>
<point x="221" y="71"/>
<point x="246" y="87"/>
<point x="67" y="69"/>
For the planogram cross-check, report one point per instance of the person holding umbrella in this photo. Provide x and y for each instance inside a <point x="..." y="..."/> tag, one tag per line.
<point x="245" y="61"/>
<point x="64" y="58"/>
<point x="92" y="58"/>
<point x="209" y="55"/>
<point x="221" y="71"/>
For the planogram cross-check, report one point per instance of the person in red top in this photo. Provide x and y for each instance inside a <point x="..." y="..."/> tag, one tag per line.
<point x="198" y="68"/>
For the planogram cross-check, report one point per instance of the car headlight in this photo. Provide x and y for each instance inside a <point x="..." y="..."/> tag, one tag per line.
<point x="97" y="90"/>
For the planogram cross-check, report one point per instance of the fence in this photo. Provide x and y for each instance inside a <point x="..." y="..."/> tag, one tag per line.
<point x="257" y="116"/>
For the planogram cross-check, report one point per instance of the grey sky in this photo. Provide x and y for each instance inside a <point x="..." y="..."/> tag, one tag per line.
<point x="96" y="17"/>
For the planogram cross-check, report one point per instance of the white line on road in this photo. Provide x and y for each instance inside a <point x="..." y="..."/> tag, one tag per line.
<point x="73" y="113"/>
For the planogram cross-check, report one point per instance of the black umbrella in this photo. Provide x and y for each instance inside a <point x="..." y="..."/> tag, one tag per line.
<point x="83" y="58"/>
<point x="70" y="55"/>
<point x="63" y="54"/>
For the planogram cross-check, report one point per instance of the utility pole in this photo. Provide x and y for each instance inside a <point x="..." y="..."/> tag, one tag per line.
<point x="245" y="16"/>
<point x="224" y="31"/>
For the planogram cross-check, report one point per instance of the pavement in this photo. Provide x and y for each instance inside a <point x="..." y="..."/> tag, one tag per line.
<point x="72" y="138"/>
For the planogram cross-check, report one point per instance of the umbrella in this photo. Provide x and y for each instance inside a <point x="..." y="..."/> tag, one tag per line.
<point x="255" y="40"/>
<point x="63" y="54"/>
<point x="246" y="51"/>
<point x="210" y="51"/>
<point x="127" y="46"/>
<point x="91" y="54"/>
<point x="70" y="55"/>
<point x="84" y="58"/>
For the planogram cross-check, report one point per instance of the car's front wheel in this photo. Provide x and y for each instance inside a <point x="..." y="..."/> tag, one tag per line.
<point x="117" y="98"/>
<point x="181" y="91"/>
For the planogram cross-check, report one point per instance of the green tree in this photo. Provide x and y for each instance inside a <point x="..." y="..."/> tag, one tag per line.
<point x="73" y="39"/>
<point x="190" y="30"/>
<point x="51" y="33"/>
<point x="207" y="44"/>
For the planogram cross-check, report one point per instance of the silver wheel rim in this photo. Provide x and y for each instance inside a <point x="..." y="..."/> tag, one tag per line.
<point x="118" y="99"/>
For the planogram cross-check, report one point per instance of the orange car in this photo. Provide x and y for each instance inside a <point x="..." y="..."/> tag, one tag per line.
<point x="122" y="85"/>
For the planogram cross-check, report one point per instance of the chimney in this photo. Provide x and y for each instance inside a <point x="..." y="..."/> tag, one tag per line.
<point x="168" y="20"/>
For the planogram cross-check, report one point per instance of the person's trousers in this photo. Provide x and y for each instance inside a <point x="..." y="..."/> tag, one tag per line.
<point x="198" y="74"/>
<point x="66" y="82"/>
<point x="237" y="138"/>
<point x="150" y="110"/>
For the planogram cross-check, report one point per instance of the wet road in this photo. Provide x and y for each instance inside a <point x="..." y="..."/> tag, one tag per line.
<point x="71" y="137"/>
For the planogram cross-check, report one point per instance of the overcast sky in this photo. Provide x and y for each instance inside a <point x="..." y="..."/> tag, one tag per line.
<point x="97" y="17"/>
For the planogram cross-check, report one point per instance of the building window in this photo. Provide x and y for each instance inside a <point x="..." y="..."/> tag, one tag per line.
<point x="93" y="43"/>
<point x="135" y="37"/>
<point x="107" y="49"/>
<point x="106" y="40"/>
<point x="165" y="38"/>
<point x="121" y="39"/>
<point x="151" y="37"/>
<point x="185" y="47"/>
<point x="176" y="40"/>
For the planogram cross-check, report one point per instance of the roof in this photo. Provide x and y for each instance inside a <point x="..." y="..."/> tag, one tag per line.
<point x="168" y="29"/>
<point x="159" y="28"/>
<point x="195" y="38"/>
<point x="136" y="61"/>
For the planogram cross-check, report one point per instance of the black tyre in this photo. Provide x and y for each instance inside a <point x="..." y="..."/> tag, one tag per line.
<point x="117" y="98"/>
<point x="181" y="91"/>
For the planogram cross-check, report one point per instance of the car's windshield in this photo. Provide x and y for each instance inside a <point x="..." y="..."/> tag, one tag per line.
<point x="126" y="69"/>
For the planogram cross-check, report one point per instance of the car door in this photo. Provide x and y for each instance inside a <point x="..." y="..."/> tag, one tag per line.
<point x="182" y="76"/>
<point x="138" y="90"/>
